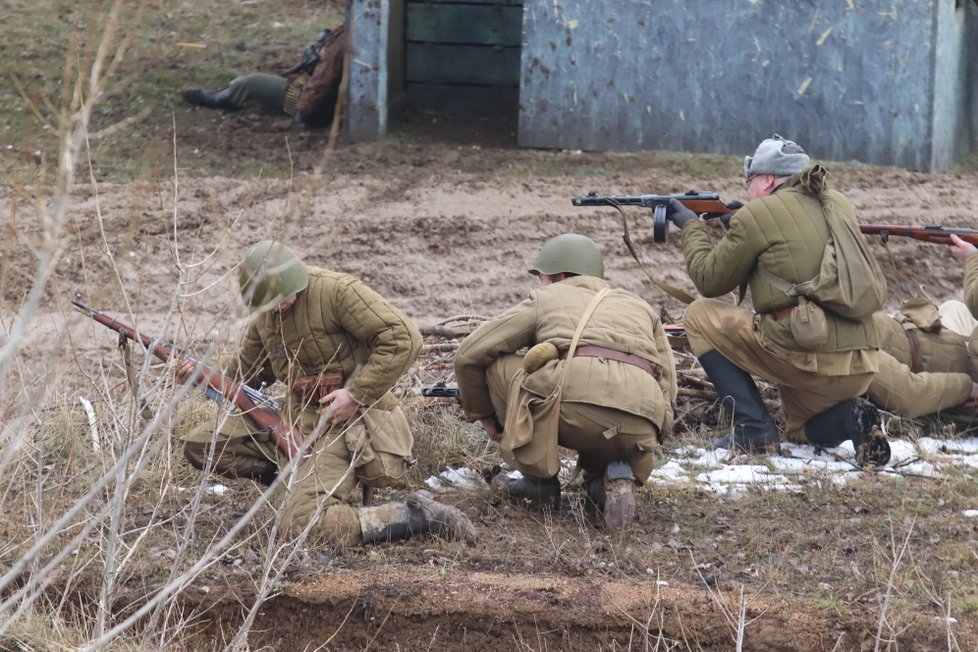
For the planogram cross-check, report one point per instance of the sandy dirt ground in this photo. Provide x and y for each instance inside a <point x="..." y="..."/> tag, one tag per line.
<point x="443" y="229"/>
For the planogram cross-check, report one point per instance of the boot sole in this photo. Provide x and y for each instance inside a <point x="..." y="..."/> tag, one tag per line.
<point x="874" y="452"/>
<point x="619" y="503"/>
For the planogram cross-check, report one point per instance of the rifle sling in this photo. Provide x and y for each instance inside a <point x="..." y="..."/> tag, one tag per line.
<point x="673" y="292"/>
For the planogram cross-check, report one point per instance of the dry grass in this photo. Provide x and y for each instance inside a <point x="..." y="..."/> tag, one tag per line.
<point x="109" y="541"/>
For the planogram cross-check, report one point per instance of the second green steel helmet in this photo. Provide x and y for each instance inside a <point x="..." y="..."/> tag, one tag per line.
<point x="270" y="273"/>
<point x="569" y="253"/>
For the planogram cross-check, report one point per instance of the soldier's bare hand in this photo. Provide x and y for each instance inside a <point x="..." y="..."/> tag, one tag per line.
<point x="960" y="248"/>
<point x="184" y="371"/>
<point x="491" y="426"/>
<point x="972" y="401"/>
<point x="338" y="406"/>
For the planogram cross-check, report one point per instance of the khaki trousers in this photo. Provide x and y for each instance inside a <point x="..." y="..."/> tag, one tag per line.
<point x="956" y="317"/>
<point x="600" y="435"/>
<point x="732" y="331"/>
<point x="897" y="389"/>
<point x="268" y="90"/>
<point x="233" y="448"/>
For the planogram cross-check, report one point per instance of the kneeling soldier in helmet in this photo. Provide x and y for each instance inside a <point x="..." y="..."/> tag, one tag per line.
<point x="339" y="347"/>
<point x="616" y="390"/>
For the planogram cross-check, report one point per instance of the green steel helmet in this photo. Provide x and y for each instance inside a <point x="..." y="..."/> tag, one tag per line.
<point x="270" y="273"/>
<point x="569" y="253"/>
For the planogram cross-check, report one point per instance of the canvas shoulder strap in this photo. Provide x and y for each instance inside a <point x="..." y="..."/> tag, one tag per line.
<point x="580" y="329"/>
<point x="775" y="280"/>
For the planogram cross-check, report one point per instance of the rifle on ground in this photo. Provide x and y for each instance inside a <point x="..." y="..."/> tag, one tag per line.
<point x="701" y="203"/>
<point x="440" y="390"/>
<point x="260" y="409"/>
<point x="936" y="234"/>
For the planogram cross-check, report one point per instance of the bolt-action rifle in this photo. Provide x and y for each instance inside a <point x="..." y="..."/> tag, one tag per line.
<point x="701" y="203"/>
<point x="937" y="234"/>
<point x="260" y="409"/>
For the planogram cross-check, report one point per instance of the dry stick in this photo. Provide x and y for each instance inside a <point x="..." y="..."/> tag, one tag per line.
<point x="897" y="558"/>
<point x="345" y="618"/>
<point x="443" y="322"/>
<point x="334" y="128"/>
<point x="269" y="582"/>
<point x="739" y="625"/>
<point x="75" y="122"/>
<point x="210" y="556"/>
<point x="380" y="628"/>
<point x="445" y="331"/>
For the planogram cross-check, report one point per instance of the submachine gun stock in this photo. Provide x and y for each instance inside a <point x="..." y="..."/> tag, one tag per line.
<point x="701" y="203"/>
<point x="258" y="408"/>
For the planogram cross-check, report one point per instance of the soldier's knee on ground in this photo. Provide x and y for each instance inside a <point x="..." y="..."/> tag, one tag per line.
<point x="196" y="453"/>
<point x="337" y="524"/>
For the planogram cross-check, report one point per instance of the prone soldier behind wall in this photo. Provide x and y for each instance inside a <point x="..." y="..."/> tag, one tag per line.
<point x="339" y="347"/>
<point x="308" y="91"/>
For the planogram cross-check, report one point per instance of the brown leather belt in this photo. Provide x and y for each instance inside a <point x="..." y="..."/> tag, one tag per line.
<point x="916" y="361"/>
<point x="782" y="313"/>
<point x="309" y="389"/>
<point x="647" y="366"/>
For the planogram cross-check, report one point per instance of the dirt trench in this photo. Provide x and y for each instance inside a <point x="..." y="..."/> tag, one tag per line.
<point x="422" y="608"/>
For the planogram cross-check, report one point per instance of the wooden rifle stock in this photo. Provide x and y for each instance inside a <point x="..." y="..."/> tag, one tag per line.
<point x="698" y="202"/>
<point x="936" y="234"/>
<point x="286" y="437"/>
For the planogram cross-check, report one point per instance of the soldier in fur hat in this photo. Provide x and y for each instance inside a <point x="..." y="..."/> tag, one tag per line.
<point x="821" y="361"/>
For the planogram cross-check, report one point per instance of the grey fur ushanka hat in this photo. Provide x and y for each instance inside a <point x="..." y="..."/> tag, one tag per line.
<point x="777" y="156"/>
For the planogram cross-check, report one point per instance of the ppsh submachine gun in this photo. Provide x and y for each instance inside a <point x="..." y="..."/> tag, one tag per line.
<point x="707" y="204"/>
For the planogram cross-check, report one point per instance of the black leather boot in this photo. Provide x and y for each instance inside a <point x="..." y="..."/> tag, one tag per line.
<point x="419" y="514"/>
<point x="857" y="420"/>
<point x="209" y="99"/>
<point x="754" y="430"/>
<point x="535" y="492"/>
<point x="618" y="505"/>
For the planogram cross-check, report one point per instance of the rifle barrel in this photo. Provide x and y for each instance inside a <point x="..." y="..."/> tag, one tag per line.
<point x="936" y="234"/>
<point x="215" y="382"/>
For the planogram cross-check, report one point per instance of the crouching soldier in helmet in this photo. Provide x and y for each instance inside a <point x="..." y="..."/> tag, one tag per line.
<point x="602" y="358"/>
<point x="339" y="347"/>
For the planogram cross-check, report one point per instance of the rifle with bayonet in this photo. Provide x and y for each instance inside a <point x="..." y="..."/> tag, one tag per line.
<point x="261" y="410"/>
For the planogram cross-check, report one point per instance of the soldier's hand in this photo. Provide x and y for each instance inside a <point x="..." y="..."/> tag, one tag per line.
<point x="491" y="426"/>
<point x="678" y="214"/>
<point x="184" y="371"/>
<point x="960" y="248"/>
<point x="338" y="406"/>
<point x="734" y="205"/>
<point x="972" y="401"/>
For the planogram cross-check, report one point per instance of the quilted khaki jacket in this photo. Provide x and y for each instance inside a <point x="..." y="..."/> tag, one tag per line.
<point x="786" y="232"/>
<point x="622" y="321"/>
<point x="336" y="324"/>
<point x="971" y="283"/>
